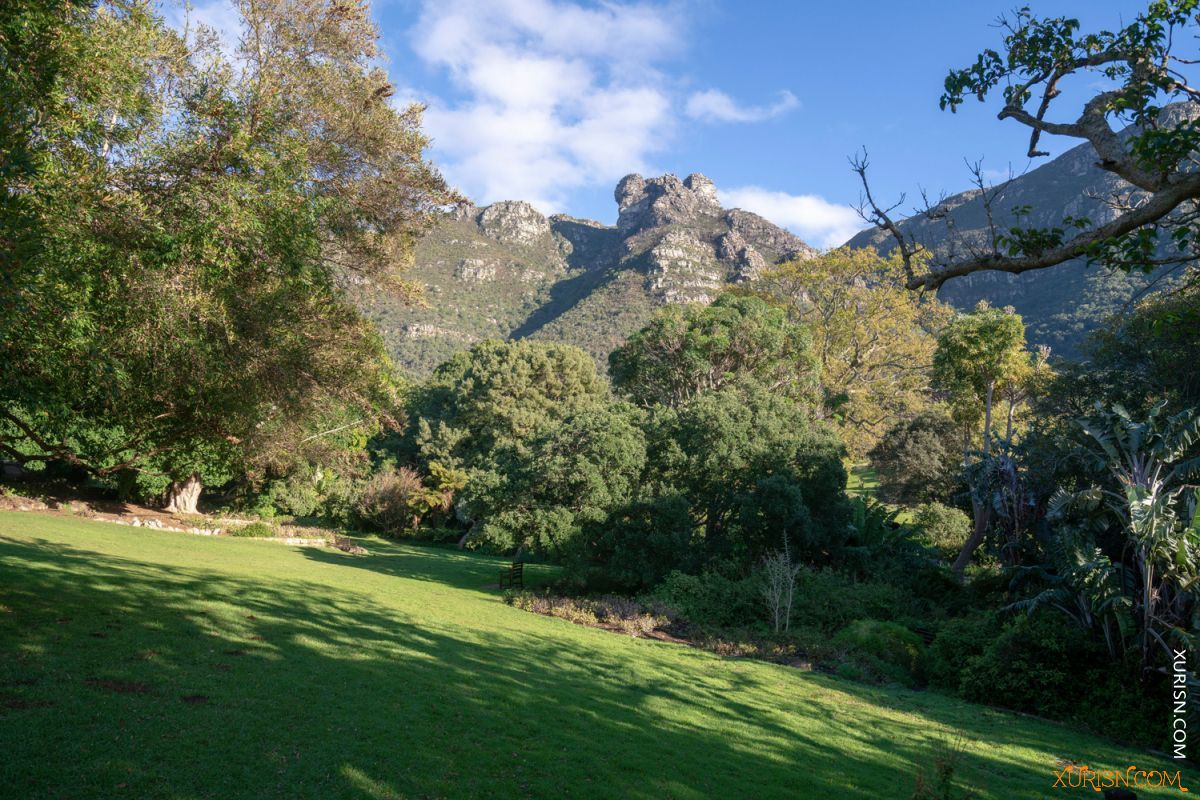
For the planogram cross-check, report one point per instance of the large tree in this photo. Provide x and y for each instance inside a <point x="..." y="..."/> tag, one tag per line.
<point x="873" y="339"/>
<point x="978" y="354"/>
<point x="498" y="414"/>
<point x="1130" y="74"/>
<point x="685" y="351"/>
<point x="176" y="305"/>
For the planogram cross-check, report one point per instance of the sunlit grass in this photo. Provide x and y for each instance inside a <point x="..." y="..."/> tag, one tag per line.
<point x="138" y="663"/>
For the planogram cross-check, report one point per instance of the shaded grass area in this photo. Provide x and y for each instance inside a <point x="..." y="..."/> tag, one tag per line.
<point x="137" y="663"/>
<point x="861" y="480"/>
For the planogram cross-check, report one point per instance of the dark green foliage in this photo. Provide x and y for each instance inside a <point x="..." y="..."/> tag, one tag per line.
<point x="571" y="476"/>
<point x="748" y="459"/>
<point x="639" y="544"/>
<point x="943" y="528"/>
<point x="1149" y="355"/>
<point x="255" y="530"/>
<point x="919" y="460"/>
<point x="958" y="643"/>
<point x="175" y="303"/>
<point x="712" y="600"/>
<point x="1045" y="666"/>
<point x="687" y="350"/>
<point x="498" y="394"/>
<point x="879" y="542"/>
<point x="885" y="651"/>
<point x="1028" y="667"/>
<point x="530" y="426"/>
<point x="829" y="601"/>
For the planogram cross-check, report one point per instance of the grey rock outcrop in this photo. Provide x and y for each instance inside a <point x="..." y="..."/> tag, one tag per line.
<point x="649" y="203"/>
<point x="513" y="222"/>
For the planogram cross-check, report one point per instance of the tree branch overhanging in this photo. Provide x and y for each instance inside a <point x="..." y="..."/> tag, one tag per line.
<point x="1156" y="157"/>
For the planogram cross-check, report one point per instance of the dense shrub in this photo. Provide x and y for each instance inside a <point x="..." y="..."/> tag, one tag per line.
<point x="959" y="642"/>
<point x="572" y="474"/>
<point x="1048" y="666"/>
<point x="944" y="528"/>
<point x="918" y="460"/>
<point x="296" y="496"/>
<point x="884" y="651"/>
<point x="712" y="600"/>
<point x="638" y="546"/>
<point x="829" y="601"/>
<point x="256" y="530"/>
<point x="1033" y="665"/>
<point x="752" y="467"/>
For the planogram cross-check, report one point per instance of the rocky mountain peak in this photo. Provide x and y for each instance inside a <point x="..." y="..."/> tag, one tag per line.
<point x="513" y="222"/>
<point x="650" y="202"/>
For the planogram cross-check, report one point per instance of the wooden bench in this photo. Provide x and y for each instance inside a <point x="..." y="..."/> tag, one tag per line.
<point x="513" y="576"/>
<point x="927" y="635"/>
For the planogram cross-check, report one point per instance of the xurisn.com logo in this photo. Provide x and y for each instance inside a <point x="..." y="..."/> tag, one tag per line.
<point x="1081" y="776"/>
<point x="1179" y="708"/>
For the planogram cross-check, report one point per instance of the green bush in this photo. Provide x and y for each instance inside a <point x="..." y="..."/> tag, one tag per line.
<point x="959" y="642"/>
<point x="884" y="651"/>
<point x="713" y="601"/>
<point x="297" y="495"/>
<point x="943" y="528"/>
<point x="255" y="530"/>
<point x="1047" y="665"/>
<point x="637" y="546"/>
<point x="918" y="459"/>
<point x="830" y="601"/>
<point x="1033" y="665"/>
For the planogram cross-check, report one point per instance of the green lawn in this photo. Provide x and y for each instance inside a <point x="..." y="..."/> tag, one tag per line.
<point x="138" y="663"/>
<point x="861" y="480"/>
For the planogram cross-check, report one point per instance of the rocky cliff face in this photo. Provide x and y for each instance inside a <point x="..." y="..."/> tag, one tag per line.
<point x="506" y="270"/>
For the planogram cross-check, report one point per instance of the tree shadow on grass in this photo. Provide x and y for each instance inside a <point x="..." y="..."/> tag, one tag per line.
<point x="315" y="692"/>
<point x="443" y="564"/>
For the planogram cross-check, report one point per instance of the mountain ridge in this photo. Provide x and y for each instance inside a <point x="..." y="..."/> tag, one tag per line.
<point x="506" y="271"/>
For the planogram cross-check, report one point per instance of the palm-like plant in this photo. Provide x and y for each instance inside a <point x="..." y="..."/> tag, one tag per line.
<point x="1157" y="507"/>
<point x="877" y="535"/>
<point x="1082" y="582"/>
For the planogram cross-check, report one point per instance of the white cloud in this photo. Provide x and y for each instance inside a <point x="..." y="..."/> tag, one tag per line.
<point x="816" y="220"/>
<point x="716" y="106"/>
<point x="555" y="95"/>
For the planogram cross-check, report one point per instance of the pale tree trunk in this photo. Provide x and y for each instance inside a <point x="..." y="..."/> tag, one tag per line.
<point x="987" y="419"/>
<point x="183" y="496"/>
<point x="982" y="512"/>
<point x="462" y="542"/>
<point x="1008" y="429"/>
<point x="983" y="517"/>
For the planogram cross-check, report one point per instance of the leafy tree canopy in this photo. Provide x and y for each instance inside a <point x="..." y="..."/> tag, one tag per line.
<point x="186" y="227"/>
<point x="687" y="350"/>
<point x="873" y="339"/>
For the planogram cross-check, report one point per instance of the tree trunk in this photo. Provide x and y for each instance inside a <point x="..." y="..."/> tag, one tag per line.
<point x="183" y="496"/>
<point x="1008" y="428"/>
<point x="983" y="516"/>
<point x="987" y="418"/>
<point x="462" y="542"/>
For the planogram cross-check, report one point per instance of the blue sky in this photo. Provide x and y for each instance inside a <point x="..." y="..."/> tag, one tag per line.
<point x="553" y="101"/>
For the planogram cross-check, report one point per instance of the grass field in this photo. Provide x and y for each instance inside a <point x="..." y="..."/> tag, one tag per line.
<point x="149" y="664"/>
<point x="861" y="480"/>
